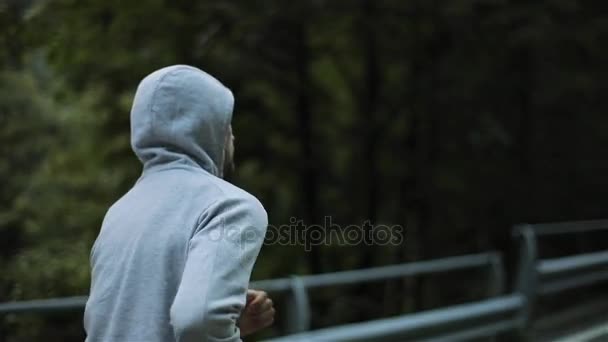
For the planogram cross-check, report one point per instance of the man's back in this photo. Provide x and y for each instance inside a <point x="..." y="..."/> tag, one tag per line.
<point x="173" y="258"/>
<point x="139" y="256"/>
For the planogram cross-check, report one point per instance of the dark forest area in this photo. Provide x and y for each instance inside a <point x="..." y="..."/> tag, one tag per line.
<point x="454" y="120"/>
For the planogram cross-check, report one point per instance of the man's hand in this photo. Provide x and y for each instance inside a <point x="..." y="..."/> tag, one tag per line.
<point x="257" y="314"/>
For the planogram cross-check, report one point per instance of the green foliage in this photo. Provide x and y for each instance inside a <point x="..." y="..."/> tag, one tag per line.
<point x="455" y="120"/>
<point x="57" y="190"/>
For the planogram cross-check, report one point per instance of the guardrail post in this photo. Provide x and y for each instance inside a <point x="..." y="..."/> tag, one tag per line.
<point x="298" y="307"/>
<point x="496" y="276"/>
<point x="527" y="277"/>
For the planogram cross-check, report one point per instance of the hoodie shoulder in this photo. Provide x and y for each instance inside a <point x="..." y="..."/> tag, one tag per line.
<point x="232" y="192"/>
<point x="234" y="207"/>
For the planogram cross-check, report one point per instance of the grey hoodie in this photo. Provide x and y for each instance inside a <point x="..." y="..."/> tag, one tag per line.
<point x="174" y="256"/>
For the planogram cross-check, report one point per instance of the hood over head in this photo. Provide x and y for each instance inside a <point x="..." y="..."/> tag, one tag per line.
<point x="181" y="115"/>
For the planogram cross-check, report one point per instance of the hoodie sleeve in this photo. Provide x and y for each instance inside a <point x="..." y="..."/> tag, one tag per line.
<point x="216" y="275"/>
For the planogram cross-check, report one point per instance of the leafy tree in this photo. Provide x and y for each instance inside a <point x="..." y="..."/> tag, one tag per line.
<point x="452" y="119"/>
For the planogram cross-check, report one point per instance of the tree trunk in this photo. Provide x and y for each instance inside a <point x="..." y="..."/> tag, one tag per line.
<point x="308" y="170"/>
<point x="369" y="120"/>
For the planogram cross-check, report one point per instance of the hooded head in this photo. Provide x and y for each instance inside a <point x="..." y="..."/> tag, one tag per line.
<point x="181" y="115"/>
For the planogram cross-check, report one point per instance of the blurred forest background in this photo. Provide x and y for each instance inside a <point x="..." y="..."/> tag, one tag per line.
<point x="455" y="119"/>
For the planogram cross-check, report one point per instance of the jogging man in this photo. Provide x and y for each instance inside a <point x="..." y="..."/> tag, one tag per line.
<point x="174" y="256"/>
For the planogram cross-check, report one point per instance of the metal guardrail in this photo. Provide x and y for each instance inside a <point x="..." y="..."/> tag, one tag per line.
<point x="460" y="322"/>
<point x="500" y="313"/>
<point x="44" y="305"/>
<point x="542" y="277"/>
<point x="560" y="274"/>
<point x="559" y="228"/>
<point x="387" y="272"/>
<point x="298" y="314"/>
<point x="536" y="277"/>
<point x="298" y="308"/>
